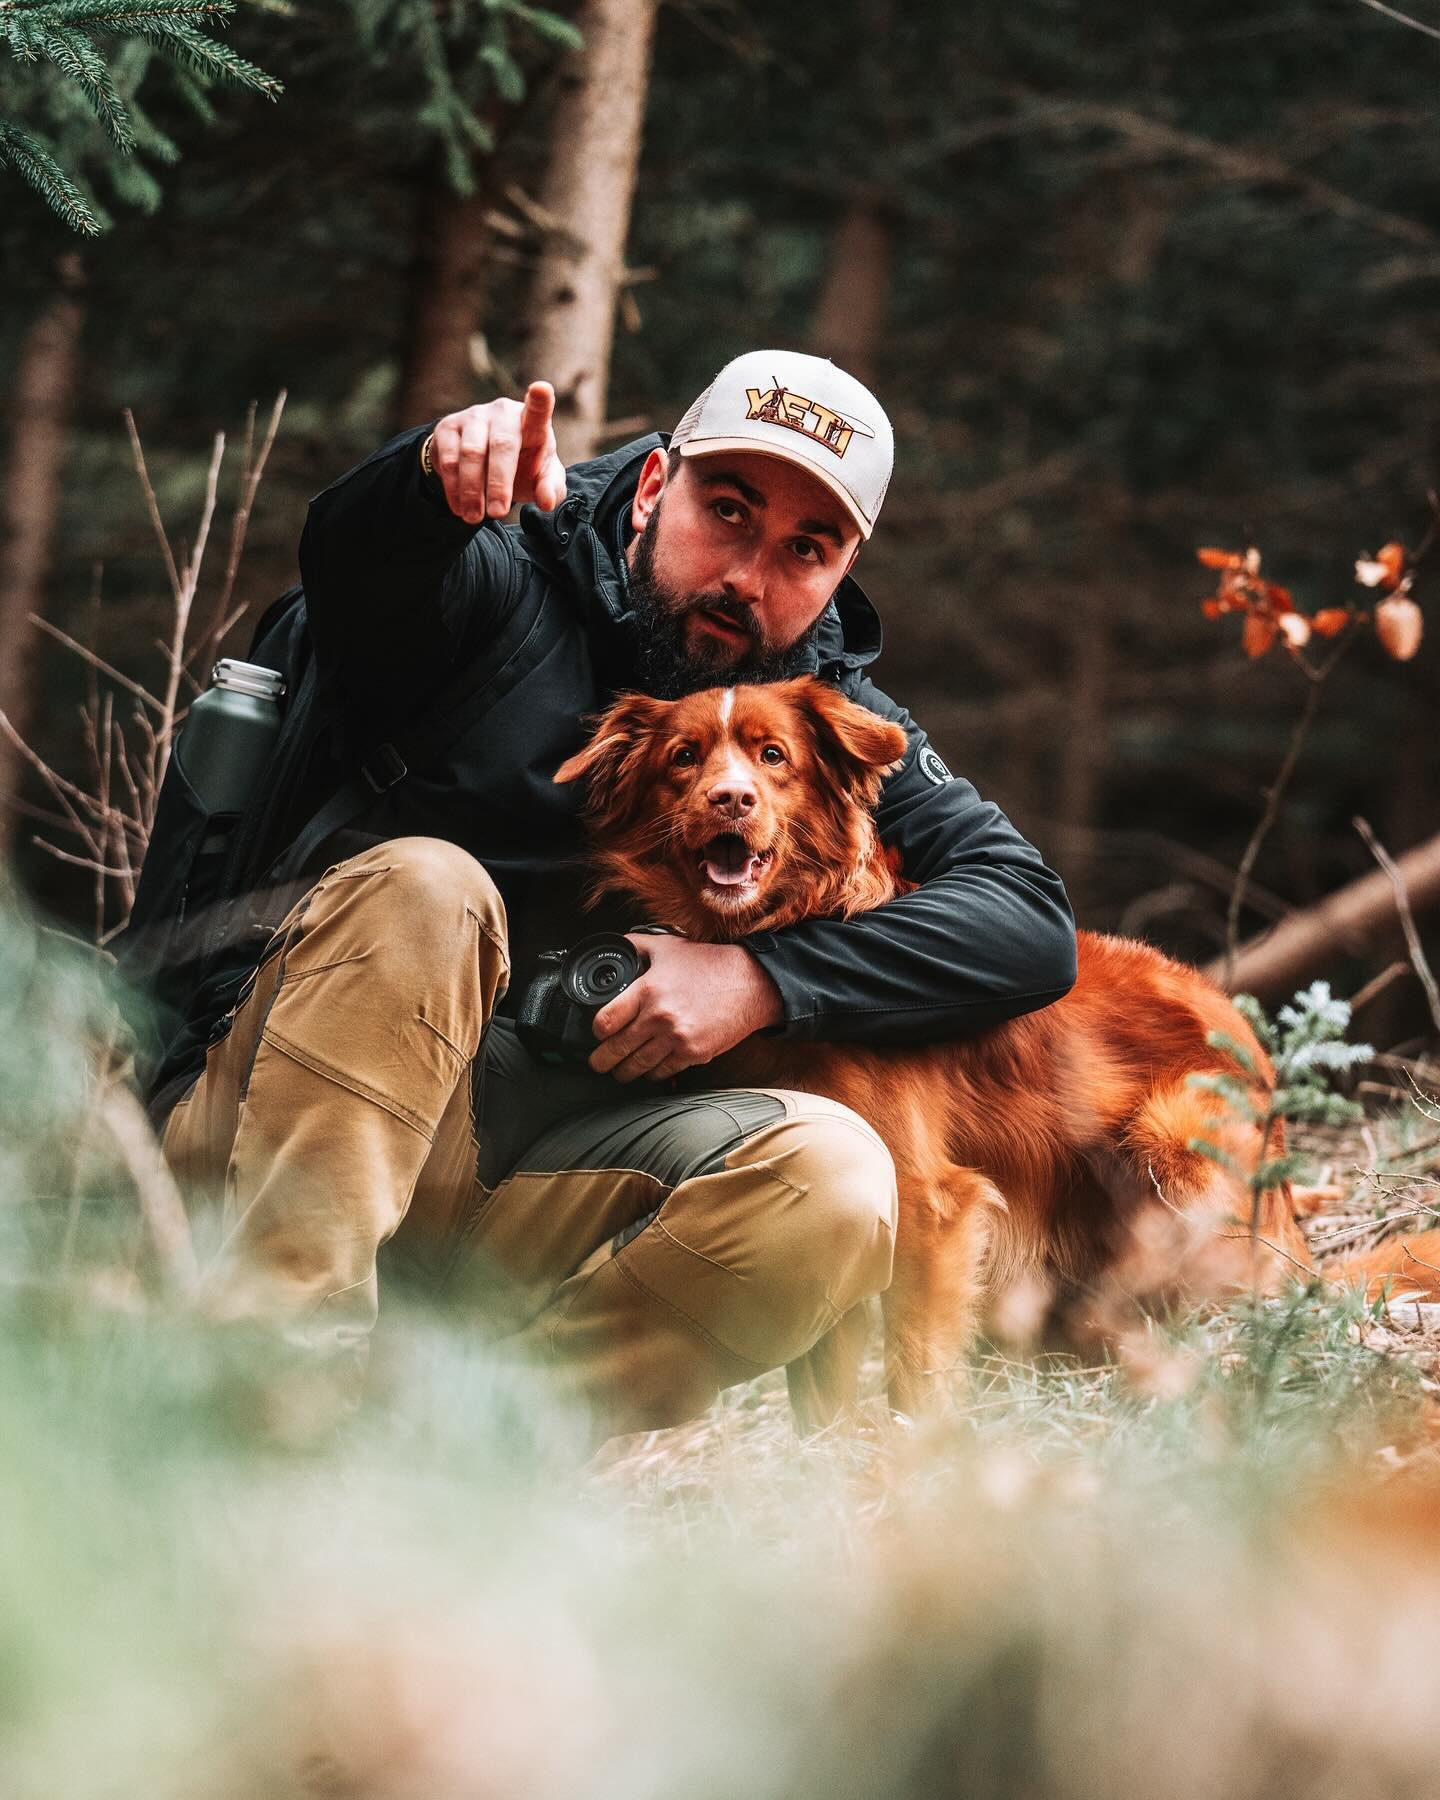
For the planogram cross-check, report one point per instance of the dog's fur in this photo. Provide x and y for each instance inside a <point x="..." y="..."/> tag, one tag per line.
<point x="1054" y="1149"/>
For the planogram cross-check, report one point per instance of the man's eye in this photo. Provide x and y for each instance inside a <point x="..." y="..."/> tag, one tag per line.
<point x="684" y="758"/>
<point x="808" y="550"/>
<point x="772" y="754"/>
<point x="730" y="512"/>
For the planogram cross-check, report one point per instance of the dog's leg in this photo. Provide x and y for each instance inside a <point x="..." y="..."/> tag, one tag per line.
<point x="825" y="1382"/>
<point x="932" y="1303"/>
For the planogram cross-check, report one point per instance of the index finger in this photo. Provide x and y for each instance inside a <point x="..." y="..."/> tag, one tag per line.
<point x="536" y="415"/>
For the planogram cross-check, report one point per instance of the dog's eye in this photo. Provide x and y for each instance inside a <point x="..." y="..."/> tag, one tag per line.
<point x="772" y="754"/>
<point x="684" y="758"/>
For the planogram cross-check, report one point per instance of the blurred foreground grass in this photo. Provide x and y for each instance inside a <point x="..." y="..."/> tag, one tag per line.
<point x="1214" y="1571"/>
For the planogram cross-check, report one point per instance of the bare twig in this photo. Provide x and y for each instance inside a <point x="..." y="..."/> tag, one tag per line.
<point x="1273" y="796"/>
<point x="1407" y="919"/>
<point x="1401" y="18"/>
<point x="96" y="662"/>
<point x="79" y="862"/>
<point x="184" y="601"/>
<point x="64" y="791"/>
<point x="152" y="505"/>
<point x="1410" y="1256"/>
<point x="160" y="1204"/>
<point x="251" y="474"/>
<point x="1377" y="985"/>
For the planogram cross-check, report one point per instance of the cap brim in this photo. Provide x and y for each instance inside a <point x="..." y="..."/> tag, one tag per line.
<point x="782" y="453"/>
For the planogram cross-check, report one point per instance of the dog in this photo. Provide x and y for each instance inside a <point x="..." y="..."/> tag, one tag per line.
<point x="1054" y="1152"/>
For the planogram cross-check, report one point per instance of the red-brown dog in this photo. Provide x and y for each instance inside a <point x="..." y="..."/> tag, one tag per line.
<point x="1056" y="1147"/>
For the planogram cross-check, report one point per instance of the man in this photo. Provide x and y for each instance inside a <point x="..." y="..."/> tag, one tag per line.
<point x="651" y="1247"/>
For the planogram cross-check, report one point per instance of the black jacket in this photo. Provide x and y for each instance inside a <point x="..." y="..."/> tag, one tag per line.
<point x="401" y="593"/>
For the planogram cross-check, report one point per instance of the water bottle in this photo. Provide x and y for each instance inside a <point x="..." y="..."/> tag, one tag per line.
<point x="222" y="753"/>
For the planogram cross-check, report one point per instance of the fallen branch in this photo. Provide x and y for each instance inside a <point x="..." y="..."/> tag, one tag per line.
<point x="1347" y="921"/>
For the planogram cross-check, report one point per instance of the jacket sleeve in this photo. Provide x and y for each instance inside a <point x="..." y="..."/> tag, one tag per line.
<point x="986" y="936"/>
<point x="396" y="586"/>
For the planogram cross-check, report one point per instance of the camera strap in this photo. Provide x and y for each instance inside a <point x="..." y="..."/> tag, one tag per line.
<point x="456" y="710"/>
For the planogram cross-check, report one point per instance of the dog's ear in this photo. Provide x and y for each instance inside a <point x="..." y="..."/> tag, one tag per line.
<point x="611" y="760"/>
<point x="858" y="746"/>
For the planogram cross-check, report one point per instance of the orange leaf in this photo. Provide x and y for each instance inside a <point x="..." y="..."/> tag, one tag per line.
<point x="1280" y="599"/>
<point x="1219" y="559"/>
<point x="1330" y="621"/>
<point x="1399" y="625"/>
<point x="1259" y="634"/>
<point x="1392" y="560"/>
<point x="1212" y="608"/>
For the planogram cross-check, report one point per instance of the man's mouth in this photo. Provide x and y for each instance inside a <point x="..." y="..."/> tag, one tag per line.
<point x="731" y="867"/>
<point x="723" y="625"/>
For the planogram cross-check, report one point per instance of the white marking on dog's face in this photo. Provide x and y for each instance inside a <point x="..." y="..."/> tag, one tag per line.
<point x="727" y="706"/>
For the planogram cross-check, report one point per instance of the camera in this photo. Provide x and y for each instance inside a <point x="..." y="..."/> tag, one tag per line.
<point x="556" y="1017"/>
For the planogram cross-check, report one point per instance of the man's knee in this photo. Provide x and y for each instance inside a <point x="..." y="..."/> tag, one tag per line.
<point x="768" y="1253"/>
<point x="847" y="1176"/>
<point x="419" y="896"/>
<point x="422" y="876"/>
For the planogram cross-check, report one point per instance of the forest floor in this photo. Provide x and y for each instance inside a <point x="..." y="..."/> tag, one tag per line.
<point x="1210" y="1567"/>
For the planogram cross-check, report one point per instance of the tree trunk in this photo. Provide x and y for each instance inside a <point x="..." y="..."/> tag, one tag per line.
<point x="589" y="185"/>
<point x="1350" y="919"/>
<point x="450" y="284"/>
<point x="850" y="313"/>
<point x="32" y="494"/>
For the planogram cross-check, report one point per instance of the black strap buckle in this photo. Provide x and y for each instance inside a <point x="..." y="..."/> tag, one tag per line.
<point x="384" y="767"/>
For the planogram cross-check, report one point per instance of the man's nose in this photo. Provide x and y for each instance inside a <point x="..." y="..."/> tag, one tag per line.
<point x="746" y="581"/>
<point x="734" y="795"/>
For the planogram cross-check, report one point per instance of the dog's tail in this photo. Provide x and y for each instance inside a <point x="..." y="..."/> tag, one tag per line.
<point x="1199" y="1157"/>
<point x="1409" y="1265"/>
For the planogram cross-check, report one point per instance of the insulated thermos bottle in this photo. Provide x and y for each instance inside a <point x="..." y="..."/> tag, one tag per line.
<point x="222" y="752"/>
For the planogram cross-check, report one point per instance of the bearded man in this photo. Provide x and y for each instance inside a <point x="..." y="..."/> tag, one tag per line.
<point x="649" y="1246"/>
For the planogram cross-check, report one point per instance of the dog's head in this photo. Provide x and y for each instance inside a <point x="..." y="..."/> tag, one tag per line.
<point x="742" y="808"/>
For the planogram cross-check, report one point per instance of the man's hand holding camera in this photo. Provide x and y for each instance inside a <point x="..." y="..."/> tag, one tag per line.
<point x="694" y="1002"/>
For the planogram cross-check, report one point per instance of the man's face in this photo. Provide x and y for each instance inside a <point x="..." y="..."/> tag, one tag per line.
<point x="730" y="575"/>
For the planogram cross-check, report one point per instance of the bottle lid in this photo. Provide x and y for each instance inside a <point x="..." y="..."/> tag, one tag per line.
<point x="247" y="678"/>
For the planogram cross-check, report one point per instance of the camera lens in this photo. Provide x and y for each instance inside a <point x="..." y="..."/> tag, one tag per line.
<point x="599" y="969"/>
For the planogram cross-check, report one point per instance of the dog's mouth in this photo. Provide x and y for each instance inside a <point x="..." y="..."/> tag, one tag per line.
<point x="731" y="869"/>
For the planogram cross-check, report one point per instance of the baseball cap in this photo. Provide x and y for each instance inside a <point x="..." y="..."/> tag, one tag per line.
<point x="804" y="410"/>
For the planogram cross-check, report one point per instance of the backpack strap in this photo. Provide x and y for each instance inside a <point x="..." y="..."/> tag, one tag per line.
<point x="458" y="707"/>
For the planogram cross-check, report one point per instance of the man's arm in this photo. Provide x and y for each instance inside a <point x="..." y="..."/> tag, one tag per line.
<point x="395" y="561"/>
<point x="986" y="936"/>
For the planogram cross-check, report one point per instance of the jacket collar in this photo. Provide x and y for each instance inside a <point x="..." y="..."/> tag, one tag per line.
<point x="580" y="541"/>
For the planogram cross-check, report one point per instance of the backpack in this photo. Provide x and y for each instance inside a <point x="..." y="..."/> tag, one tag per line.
<point x="191" y="963"/>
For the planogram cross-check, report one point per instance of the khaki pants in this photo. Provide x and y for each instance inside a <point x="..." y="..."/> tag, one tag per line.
<point x="650" y="1247"/>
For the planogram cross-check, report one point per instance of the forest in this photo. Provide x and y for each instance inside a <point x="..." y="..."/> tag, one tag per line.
<point x="1149" y="295"/>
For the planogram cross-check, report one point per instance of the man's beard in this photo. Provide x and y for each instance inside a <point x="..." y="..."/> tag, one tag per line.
<point x="668" y="667"/>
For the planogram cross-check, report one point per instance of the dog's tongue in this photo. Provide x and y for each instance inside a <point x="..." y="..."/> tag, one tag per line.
<point x="729" y="860"/>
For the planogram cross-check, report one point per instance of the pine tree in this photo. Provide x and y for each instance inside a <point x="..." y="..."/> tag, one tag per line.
<point x="67" y="66"/>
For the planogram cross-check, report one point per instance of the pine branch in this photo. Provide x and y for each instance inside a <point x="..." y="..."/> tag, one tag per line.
<point x="33" y="163"/>
<point x="76" y="57"/>
<point x="207" y="56"/>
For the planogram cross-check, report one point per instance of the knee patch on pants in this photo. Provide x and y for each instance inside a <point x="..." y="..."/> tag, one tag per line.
<point x="764" y="1255"/>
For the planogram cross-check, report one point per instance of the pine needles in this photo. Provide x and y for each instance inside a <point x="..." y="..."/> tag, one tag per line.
<point x="64" y="61"/>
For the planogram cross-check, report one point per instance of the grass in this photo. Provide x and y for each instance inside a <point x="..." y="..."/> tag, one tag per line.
<point x="1209" y="1569"/>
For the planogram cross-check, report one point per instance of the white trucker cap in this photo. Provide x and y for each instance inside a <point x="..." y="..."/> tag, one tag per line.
<point x="805" y="411"/>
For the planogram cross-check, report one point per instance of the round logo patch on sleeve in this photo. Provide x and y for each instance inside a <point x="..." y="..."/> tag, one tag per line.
<point x="933" y="768"/>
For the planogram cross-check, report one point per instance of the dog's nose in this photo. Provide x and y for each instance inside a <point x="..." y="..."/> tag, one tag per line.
<point x="733" y="797"/>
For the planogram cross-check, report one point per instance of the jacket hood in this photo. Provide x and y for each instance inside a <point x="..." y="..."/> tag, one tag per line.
<point x="580" y="540"/>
